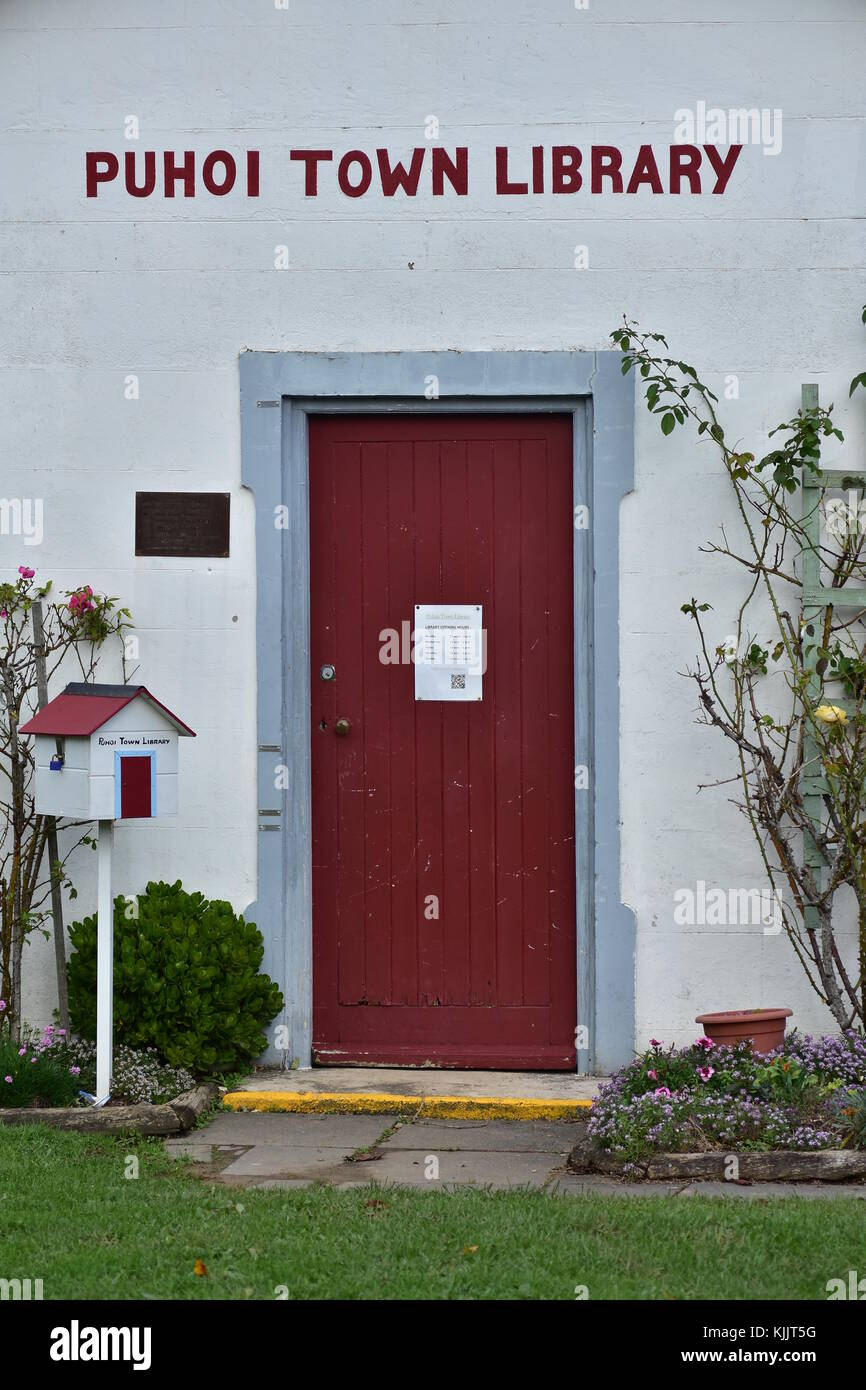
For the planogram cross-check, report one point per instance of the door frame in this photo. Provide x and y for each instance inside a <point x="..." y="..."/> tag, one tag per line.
<point x="279" y="391"/>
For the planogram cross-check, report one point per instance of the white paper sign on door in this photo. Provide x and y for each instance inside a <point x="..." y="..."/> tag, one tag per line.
<point x="449" y="651"/>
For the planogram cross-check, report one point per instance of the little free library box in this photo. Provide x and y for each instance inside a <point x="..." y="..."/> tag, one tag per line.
<point x="106" y="752"/>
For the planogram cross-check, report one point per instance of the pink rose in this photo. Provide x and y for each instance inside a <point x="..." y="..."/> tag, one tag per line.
<point x="662" y="1091"/>
<point x="26" y="572"/>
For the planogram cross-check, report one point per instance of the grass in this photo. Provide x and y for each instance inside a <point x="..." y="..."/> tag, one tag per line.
<point x="70" y="1217"/>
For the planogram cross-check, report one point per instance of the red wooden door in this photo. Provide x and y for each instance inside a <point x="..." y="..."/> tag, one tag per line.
<point x="443" y="833"/>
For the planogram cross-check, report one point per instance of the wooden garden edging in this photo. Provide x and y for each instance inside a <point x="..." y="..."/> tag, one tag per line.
<point x="775" y="1165"/>
<point x="174" y="1117"/>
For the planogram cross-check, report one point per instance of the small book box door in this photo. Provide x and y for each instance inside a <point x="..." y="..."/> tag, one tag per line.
<point x="135" y="777"/>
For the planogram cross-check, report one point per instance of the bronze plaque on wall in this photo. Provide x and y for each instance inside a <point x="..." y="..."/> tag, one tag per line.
<point x="182" y="523"/>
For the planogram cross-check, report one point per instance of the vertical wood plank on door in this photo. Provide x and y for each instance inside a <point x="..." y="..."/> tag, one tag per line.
<point x="534" y="704"/>
<point x="560" y="757"/>
<point x="375" y="733"/>
<point x="428" y="725"/>
<point x="482" y="767"/>
<point x="457" y="587"/>
<point x="508" y="715"/>
<point x="407" y="915"/>
<point x="348" y="541"/>
<point x="325" y="807"/>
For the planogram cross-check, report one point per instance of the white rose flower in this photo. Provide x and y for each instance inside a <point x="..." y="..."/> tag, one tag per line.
<point x="728" y="648"/>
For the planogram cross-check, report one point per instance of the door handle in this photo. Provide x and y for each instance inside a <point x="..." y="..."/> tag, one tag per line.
<point x="342" y="727"/>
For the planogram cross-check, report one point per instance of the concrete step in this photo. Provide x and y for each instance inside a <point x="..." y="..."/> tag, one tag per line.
<point x="418" y="1091"/>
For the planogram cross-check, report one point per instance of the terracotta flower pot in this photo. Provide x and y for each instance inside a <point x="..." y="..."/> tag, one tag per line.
<point x="765" y="1028"/>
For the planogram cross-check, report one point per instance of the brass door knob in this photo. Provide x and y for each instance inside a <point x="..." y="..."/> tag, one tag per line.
<point x="342" y="727"/>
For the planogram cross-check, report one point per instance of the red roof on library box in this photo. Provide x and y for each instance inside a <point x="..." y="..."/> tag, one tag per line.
<point x="82" y="708"/>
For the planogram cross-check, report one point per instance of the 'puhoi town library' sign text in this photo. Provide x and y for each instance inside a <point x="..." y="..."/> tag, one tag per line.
<point x="539" y="169"/>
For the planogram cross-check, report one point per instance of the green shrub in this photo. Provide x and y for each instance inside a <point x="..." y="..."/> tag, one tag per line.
<point x="186" y="980"/>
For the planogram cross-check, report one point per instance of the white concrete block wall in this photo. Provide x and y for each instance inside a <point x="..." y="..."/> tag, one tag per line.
<point x="764" y="282"/>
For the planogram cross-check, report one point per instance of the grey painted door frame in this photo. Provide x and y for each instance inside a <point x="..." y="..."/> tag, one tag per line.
<point x="279" y="391"/>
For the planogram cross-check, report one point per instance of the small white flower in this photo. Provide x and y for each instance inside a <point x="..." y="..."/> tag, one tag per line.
<point x="728" y="649"/>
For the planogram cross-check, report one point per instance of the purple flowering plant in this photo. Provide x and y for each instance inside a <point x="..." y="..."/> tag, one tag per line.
<point x="808" y="1094"/>
<point x="31" y="1072"/>
<point x="50" y="1068"/>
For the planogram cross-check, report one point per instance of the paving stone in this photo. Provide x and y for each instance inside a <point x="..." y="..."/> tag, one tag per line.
<point x="279" y="1184"/>
<point x="775" y="1189"/>
<point x="195" y="1149"/>
<point x="600" y="1185"/>
<point x="499" y="1170"/>
<point x="346" y="1132"/>
<point x="288" y="1161"/>
<point x="487" y="1136"/>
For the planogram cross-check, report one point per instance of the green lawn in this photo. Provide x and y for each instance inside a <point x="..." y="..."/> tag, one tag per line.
<point x="69" y="1216"/>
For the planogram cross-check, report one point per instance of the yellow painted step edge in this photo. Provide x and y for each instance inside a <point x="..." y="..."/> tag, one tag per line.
<point x="429" y="1107"/>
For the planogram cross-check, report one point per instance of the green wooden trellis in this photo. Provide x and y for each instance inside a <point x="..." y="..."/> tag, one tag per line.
<point x="815" y="601"/>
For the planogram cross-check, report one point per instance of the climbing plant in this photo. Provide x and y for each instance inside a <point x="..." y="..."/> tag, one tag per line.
<point x="786" y="688"/>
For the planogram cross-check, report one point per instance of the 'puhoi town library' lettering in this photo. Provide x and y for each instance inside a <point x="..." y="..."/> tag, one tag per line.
<point x="557" y="169"/>
<point x="129" y="742"/>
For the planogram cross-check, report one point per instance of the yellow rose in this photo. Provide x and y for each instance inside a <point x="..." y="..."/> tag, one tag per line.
<point x="831" y="714"/>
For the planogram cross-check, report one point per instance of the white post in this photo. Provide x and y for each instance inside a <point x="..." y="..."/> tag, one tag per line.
<point x="104" y="964"/>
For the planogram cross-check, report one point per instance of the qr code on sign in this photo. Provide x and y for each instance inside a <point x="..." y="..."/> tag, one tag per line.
<point x="458" y="682"/>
